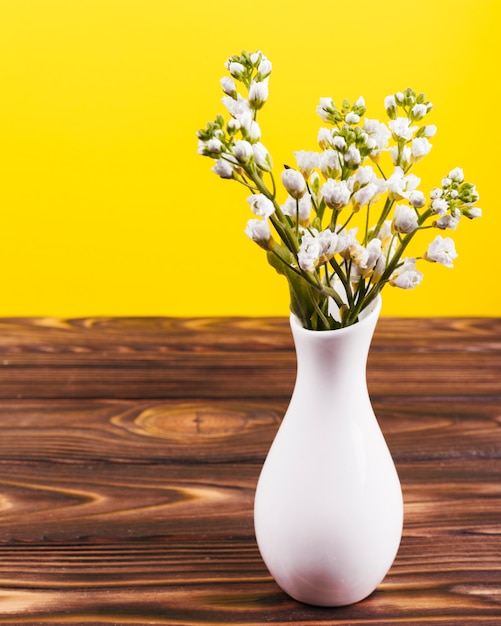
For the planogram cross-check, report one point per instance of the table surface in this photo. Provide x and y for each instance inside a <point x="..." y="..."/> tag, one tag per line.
<point x="130" y="451"/>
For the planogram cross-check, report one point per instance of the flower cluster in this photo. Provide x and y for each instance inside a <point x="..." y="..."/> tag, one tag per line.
<point x="341" y="231"/>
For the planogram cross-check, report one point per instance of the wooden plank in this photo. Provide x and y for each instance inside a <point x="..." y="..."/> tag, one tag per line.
<point x="126" y="512"/>
<point x="246" y="357"/>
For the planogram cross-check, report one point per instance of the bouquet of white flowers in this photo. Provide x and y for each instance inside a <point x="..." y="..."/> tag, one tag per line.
<point x="334" y="271"/>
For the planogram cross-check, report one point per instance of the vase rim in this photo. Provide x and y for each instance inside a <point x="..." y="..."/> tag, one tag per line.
<point x="370" y="312"/>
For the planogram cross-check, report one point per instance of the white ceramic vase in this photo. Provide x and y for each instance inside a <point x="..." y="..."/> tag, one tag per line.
<point x="328" y="507"/>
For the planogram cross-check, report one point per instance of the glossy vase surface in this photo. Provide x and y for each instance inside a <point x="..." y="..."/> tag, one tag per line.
<point x="328" y="507"/>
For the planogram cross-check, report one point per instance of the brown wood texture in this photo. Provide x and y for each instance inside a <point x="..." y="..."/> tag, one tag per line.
<point x="130" y="450"/>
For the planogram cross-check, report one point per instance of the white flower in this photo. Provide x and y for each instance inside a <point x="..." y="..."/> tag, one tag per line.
<point x="258" y="231"/>
<point x="473" y="212"/>
<point x="401" y="128"/>
<point x="290" y="207"/>
<point x="223" y="168"/>
<point x="401" y="157"/>
<point x="446" y="182"/>
<point x="400" y="186"/>
<point x="450" y="220"/>
<point x="419" y="111"/>
<point x="294" y="182"/>
<point x="360" y="102"/>
<point x="239" y="109"/>
<point x="352" y="156"/>
<point x="339" y="142"/>
<point x="359" y="255"/>
<point x="430" y="130"/>
<point x="233" y="125"/>
<point x="243" y="151"/>
<point x="262" y="157"/>
<point x="214" y="146"/>
<point x="258" y="94"/>
<point x="336" y="195"/>
<point x="456" y="175"/>
<point x="439" y="206"/>
<point x="352" y="118"/>
<point x="307" y="161"/>
<point x="316" y="248"/>
<point x="261" y="205"/>
<point x="228" y="85"/>
<point x="309" y="251"/>
<point x="254" y="131"/>
<point x="417" y="199"/>
<point x="419" y="148"/>
<point x="237" y="70"/>
<point x="441" y="250"/>
<point x="379" y="133"/>
<point x="405" y="219"/>
<point x="364" y="176"/>
<point x="436" y="193"/>
<point x="323" y="108"/>
<point x="346" y="239"/>
<point x="264" y="68"/>
<point x="406" y="276"/>
<point x="324" y="138"/>
<point x="330" y="163"/>
<point x="365" y="195"/>
<point x="375" y="263"/>
<point x="390" y="105"/>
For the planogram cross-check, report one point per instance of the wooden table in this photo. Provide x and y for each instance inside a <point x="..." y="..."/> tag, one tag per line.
<point x="130" y="450"/>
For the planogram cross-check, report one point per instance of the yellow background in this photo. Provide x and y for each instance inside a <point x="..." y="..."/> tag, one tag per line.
<point x="106" y="209"/>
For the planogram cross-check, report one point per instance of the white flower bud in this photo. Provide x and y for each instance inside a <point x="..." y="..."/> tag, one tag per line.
<point x="456" y="175"/>
<point x="324" y="138"/>
<point x="262" y="157"/>
<point x="243" y="151"/>
<point x="473" y="212"/>
<point x="294" y="182"/>
<point x="352" y="156"/>
<point x="237" y="70"/>
<point x="259" y="231"/>
<point x="430" y="130"/>
<point x="254" y="131"/>
<point x="330" y="164"/>
<point x="352" y="118"/>
<point x="258" y="94"/>
<point x="391" y="106"/>
<point x="298" y="208"/>
<point x="261" y="205"/>
<point x="418" y="111"/>
<point x="440" y="206"/>
<point x="214" y="146"/>
<point x="448" y="221"/>
<point x="339" y="142"/>
<point x="264" y="68"/>
<point x="229" y="87"/>
<point x="223" y="169"/>
<point x="417" y="199"/>
<point x="405" y="219"/>
<point x="419" y="148"/>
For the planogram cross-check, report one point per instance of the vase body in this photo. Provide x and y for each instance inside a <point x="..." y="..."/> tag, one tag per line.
<point x="328" y="508"/>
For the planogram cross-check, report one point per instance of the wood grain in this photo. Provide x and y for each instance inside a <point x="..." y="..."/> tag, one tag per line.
<point x="170" y="357"/>
<point x="128" y="502"/>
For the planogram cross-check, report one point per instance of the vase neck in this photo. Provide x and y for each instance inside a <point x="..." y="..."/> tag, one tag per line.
<point x="335" y="356"/>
